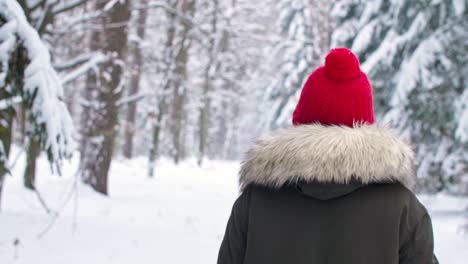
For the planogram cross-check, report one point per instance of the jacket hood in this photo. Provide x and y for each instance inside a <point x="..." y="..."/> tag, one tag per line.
<point x="310" y="154"/>
<point x="328" y="191"/>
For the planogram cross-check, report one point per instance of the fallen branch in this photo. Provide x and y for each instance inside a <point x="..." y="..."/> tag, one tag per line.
<point x="73" y="190"/>
<point x="41" y="200"/>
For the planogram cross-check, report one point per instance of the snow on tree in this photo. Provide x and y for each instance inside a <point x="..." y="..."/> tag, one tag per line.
<point x="202" y="52"/>
<point x="104" y="87"/>
<point x="221" y="61"/>
<point x="136" y="63"/>
<point x="45" y="17"/>
<point x="26" y="72"/>
<point x="301" y="43"/>
<point x="415" y="53"/>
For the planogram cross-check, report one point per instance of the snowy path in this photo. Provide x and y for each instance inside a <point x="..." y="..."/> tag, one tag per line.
<point x="178" y="217"/>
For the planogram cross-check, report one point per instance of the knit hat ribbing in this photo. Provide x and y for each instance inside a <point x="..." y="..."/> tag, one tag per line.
<point x="338" y="93"/>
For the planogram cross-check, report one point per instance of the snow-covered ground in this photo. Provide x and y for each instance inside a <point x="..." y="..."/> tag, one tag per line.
<point x="177" y="217"/>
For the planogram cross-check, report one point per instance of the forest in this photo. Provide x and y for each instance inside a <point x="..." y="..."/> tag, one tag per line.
<point x="102" y="82"/>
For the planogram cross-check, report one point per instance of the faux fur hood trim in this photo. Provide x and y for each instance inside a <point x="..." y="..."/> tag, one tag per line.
<point x="317" y="153"/>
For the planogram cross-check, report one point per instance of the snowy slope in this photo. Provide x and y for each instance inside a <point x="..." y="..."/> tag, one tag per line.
<point x="178" y="217"/>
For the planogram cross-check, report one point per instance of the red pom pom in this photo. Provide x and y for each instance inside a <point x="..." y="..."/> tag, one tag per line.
<point x="342" y="64"/>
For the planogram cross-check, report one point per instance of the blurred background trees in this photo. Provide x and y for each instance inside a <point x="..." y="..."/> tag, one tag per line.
<point x="203" y="78"/>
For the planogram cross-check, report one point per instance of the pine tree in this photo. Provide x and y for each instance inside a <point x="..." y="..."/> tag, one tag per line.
<point x="303" y="39"/>
<point x="415" y="53"/>
<point x="27" y="77"/>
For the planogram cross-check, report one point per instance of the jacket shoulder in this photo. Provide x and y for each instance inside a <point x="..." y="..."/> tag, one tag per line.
<point x="413" y="213"/>
<point x="400" y="193"/>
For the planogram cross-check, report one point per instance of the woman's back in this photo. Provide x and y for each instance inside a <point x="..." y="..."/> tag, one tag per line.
<point x="296" y="208"/>
<point x="333" y="189"/>
<point x="379" y="223"/>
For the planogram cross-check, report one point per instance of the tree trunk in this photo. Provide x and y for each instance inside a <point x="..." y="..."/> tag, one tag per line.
<point x="14" y="79"/>
<point x="102" y="121"/>
<point x="326" y="27"/>
<point x="204" y="122"/>
<point x="210" y="70"/>
<point x="187" y="7"/>
<point x="6" y="122"/>
<point x="154" y="146"/>
<point x="87" y="129"/>
<point x="137" y="64"/>
<point x="162" y="105"/>
<point x="178" y="120"/>
<point x="29" y="177"/>
<point x="21" y="125"/>
<point x="157" y="127"/>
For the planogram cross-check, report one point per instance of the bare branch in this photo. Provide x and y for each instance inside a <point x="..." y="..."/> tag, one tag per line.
<point x="36" y="6"/>
<point x="173" y="11"/>
<point x="132" y="98"/>
<point x="46" y="17"/>
<point x="67" y="6"/>
<point x="78" y="20"/>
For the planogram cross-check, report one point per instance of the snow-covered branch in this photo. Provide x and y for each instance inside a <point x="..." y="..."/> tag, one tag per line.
<point x="91" y="63"/>
<point x="9" y="102"/>
<point x="42" y="89"/>
<point x="74" y="62"/>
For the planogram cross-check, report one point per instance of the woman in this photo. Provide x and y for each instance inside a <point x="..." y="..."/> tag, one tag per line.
<point x="334" y="188"/>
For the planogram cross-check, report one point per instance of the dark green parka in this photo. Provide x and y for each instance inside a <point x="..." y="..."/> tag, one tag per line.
<point x="328" y="195"/>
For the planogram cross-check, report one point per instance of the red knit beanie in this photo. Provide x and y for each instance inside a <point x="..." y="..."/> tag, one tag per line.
<point x="338" y="93"/>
